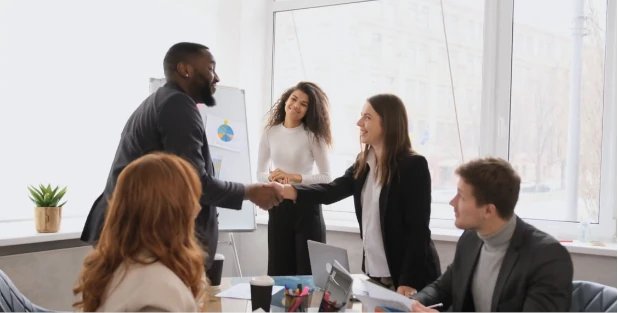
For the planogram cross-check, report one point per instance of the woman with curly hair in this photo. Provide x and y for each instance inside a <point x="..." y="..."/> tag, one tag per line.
<point x="147" y="258"/>
<point x="297" y="136"/>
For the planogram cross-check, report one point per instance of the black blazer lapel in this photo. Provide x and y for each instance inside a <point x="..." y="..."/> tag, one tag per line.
<point x="358" y="185"/>
<point x="358" y="206"/>
<point x="358" y="201"/>
<point x="466" y="268"/>
<point x="510" y="258"/>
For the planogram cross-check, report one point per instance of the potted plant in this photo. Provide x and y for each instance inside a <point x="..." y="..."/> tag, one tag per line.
<point x="48" y="212"/>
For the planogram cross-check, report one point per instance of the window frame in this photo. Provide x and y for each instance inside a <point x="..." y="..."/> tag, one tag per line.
<point x="496" y="103"/>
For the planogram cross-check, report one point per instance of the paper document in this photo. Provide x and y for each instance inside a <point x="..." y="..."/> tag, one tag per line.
<point x="341" y="268"/>
<point x="372" y="295"/>
<point x="371" y="304"/>
<point x="242" y="291"/>
<point x="358" y="288"/>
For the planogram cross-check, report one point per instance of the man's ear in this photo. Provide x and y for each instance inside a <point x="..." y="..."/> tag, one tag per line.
<point x="491" y="210"/>
<point x="184" y="69"/>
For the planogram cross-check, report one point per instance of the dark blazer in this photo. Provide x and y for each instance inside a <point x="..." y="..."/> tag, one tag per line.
<point x="536" y="275"/>
<point x="405" y="209"/>
<point x="168" y="120"/>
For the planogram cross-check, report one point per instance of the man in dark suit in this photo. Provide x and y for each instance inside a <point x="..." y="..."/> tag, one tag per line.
<point x="501" y="263"/>
<point x="169" y="120"/>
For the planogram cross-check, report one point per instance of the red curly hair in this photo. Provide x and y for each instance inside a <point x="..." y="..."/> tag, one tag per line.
<point x="152" y="209"/>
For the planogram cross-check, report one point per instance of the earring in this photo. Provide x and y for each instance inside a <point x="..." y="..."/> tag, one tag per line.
<point x="186" y="75"/>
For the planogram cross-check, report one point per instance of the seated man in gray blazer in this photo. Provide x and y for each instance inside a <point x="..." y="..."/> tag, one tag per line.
<point x="501" y="263"/>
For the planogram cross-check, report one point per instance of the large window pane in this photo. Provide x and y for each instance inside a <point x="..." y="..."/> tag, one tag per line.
<point x="557" y="106"/>
<point x="354" y="51"/>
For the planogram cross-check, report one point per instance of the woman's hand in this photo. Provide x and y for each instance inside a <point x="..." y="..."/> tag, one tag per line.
<point x="282" y="177"/>
<point x="406" y="291"/>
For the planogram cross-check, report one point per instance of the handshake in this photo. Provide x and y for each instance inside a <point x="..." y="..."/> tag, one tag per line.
<point x="270" y="194"/>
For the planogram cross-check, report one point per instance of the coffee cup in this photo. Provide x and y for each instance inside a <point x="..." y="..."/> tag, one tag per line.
<point x="216" y="270"/>
<point x="261" y="292"/>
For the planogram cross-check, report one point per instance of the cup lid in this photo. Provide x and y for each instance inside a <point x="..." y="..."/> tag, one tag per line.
<point x="262" y="281"/>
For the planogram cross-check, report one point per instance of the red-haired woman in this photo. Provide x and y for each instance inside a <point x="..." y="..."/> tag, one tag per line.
<point x="147" y="258"/>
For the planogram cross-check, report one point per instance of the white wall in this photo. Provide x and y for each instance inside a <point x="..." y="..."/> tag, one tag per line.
<point x="73" y="71"/>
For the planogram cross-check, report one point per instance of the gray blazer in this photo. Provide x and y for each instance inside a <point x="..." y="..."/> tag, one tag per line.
<point x="536" y="275"/>
<point x="168" y="120"/>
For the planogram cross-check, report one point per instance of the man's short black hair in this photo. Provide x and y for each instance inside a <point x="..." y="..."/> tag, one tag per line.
<point x="180" y="52"/>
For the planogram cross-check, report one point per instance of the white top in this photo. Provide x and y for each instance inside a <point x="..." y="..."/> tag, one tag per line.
<point x="147" y="288"/>
<point x="293" y="150"/>
<point x="375" y="257"/>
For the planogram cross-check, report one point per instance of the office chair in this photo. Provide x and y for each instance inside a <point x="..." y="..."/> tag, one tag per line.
<point x="11" y="300"/>
<point x="593" y="297"/>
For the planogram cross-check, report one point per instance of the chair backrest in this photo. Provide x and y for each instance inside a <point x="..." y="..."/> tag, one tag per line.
<point x="593" y="297"/>
<point x="11" y="300"/>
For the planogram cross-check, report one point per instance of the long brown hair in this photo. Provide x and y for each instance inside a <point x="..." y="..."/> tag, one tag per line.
<point x="152" y="210"/>
<point x="317" y="119"/>
<point x="397" y="143"/>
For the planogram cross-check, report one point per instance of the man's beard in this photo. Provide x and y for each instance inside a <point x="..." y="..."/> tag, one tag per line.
<point x="207" y="97"/>
<point x="205" y="93"/>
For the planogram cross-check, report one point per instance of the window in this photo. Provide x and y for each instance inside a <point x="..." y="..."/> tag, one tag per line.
<point x="410" y="93"/>
<point x="421" y="96"/>
<point x="444" y="98"/>
<point x="321" y="33"/>
<point x="557" y="115"/>
<point x="513" y="103"/>
<point x="452" y="24"/>
<point x="423" y="18"/>
<point x="421" y="56"/>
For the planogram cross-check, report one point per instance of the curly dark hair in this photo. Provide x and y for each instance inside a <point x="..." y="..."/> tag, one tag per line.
<point x="317" y="119"/>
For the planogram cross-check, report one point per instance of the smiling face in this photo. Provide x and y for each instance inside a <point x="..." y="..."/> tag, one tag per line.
<point x="296" y="106"/>
<point x="202" y="79"/>
<point x="370" y="126"/>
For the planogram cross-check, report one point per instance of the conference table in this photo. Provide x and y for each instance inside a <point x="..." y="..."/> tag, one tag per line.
<point x="216" y="304"/>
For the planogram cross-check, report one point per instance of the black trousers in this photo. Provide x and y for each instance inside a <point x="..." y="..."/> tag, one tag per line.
<point x="290" y="225"/>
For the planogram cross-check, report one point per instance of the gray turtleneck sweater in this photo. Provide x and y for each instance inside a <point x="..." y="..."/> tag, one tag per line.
<point x="488" y="265"/>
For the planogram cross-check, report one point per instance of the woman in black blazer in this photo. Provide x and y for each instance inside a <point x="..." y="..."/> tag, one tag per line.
<point x="391" y="186"/>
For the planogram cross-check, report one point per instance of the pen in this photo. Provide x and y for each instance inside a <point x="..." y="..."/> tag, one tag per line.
<point x="437" y="305"/>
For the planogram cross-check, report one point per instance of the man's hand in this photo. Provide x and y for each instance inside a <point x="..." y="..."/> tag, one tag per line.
<point x="418" y="307"/>
<point x="263" y="195"/>
<point x="284" y="191"/>
<point x="277" y="187"/>
<point x="406" y="291"/>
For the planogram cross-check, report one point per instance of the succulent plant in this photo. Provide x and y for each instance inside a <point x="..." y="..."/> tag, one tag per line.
<point x="45" y="197"/>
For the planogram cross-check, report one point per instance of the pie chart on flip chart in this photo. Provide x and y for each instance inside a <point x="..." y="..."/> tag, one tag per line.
<point x="225" y="132"/>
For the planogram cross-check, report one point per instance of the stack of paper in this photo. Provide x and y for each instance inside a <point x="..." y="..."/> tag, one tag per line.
<point x="372" y="296"/>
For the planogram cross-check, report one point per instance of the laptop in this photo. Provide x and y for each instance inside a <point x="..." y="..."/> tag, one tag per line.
<point x="322" y="257"/>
